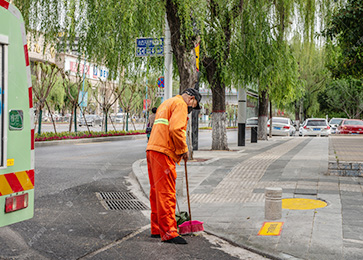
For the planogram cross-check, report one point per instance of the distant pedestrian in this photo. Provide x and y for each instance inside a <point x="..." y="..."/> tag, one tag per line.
<point x="167" y="146"/>
<point x="151" y="122"/>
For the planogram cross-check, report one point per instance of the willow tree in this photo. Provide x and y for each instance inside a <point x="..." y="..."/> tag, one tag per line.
<point x="262" y="56"/>
<point x="184" y="37"/>
<point x="313" y="76"/>
<point x="213" y="23"/>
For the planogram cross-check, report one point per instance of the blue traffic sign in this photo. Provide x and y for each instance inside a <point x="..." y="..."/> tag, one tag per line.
<point x="149" y="47"/>
<point x="161" y="83"/>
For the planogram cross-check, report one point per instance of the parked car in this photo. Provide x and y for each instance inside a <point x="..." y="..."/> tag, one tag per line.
<point x="281" y="126"/>
<point x="92" y="120"/>
<point x="350" y="126"/>
<point x="119" y="118"/>
<point x="333" y="123"/>
<point x="316" y="127"/>
<point x="252" y="122"/>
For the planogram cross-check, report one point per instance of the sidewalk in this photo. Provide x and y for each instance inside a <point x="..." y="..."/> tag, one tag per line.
<point x="227" y="193"/>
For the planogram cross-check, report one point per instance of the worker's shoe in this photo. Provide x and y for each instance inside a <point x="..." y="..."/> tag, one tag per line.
<point x="155" y="236"/>
<point x="176" y="240"/>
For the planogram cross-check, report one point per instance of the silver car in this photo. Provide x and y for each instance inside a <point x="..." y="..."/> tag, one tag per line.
<point x="316" y="127"/>
<point x="333" y="123"/>
<point x="92" y="120"/>
<point x="281" y="126"/>
<point x="252" y="122"/>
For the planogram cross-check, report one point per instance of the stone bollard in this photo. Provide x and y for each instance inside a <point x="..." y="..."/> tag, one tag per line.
<point x="273" y="204"/>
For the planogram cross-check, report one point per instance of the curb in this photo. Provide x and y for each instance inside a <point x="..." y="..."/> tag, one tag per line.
<point x="278" y="256"/>
<point x="137" y="173"/>
<point x="90" y="140"/>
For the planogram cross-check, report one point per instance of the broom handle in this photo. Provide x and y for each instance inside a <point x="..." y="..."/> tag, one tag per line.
<point x="186" y="181"/>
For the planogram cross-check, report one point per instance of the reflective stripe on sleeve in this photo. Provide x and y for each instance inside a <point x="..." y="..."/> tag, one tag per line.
<point x="161" y="121"/>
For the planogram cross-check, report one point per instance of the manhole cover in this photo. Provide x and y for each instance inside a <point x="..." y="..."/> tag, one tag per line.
<point x="302" y="204"/>
<point x="120" y="201"/>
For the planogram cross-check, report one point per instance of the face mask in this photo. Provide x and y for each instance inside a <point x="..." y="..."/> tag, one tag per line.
<point x="190" y="108"/>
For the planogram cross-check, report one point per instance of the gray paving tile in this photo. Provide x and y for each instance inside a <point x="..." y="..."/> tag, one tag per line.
<point x="353" y="254"/>
<point x="353" y="232"/>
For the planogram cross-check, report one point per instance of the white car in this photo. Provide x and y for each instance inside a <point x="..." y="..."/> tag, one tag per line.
<point x="316" y="127"/>
<point x="333" y="123"/>
<point x="281" y="126"/>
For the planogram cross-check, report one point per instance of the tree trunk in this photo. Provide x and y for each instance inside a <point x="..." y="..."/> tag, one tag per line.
<point x="184" y="53"/>
<point x="297" y="110"/>
<point x="262" y="115"/>
<point x="51" y="116"/>
<point x="219" y="131"/>
<point x="297" y="113"/>
<point x="70" y="122"/>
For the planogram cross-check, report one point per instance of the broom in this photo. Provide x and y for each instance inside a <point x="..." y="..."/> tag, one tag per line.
<point x="192" y="225"/>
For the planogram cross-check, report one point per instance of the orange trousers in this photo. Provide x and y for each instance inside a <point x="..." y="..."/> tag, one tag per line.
<point x="162" y="175"/>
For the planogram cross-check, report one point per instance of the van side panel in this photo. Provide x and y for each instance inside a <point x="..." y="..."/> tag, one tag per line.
<point x="17" y="174"/>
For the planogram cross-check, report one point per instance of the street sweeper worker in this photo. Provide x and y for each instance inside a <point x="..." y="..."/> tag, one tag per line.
<point x="167" y="146"/>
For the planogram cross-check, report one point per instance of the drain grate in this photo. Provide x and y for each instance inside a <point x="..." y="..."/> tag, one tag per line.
<point x="125" y="205"/>
<point x="120" y="201"/>
<point x="117" y="196"/>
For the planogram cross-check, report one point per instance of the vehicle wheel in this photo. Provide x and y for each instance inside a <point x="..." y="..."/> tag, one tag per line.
<point x="79" y="125"/>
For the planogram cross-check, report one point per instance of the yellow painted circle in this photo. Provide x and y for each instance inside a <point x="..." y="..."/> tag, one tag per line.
<point x="302" y="204"/>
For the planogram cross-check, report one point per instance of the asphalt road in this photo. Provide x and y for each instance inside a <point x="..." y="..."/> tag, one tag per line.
<point x="70" y="222"/>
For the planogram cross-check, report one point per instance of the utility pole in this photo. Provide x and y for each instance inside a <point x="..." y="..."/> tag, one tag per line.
<point x="168" y="63"/>
<point x="241" y="118"/>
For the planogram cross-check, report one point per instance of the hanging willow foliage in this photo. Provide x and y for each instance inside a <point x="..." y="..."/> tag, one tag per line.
<point x="248" y="39"/>
<point x="104" y="31"/>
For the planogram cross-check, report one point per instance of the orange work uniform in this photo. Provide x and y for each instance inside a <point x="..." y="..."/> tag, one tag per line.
<point x="166" y="145"/>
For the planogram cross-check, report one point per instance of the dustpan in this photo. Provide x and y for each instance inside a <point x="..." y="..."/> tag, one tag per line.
<point x="191" y="226"/>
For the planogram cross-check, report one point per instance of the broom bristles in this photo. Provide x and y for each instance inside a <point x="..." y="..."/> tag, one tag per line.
<point x="190" y="227"/>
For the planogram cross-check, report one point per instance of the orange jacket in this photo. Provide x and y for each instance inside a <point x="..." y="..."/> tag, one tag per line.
<point x="169" y="131"/>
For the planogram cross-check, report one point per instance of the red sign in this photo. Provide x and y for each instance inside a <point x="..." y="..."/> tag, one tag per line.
<point x="148" y="103"/>
<point x="78" y="68"/>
